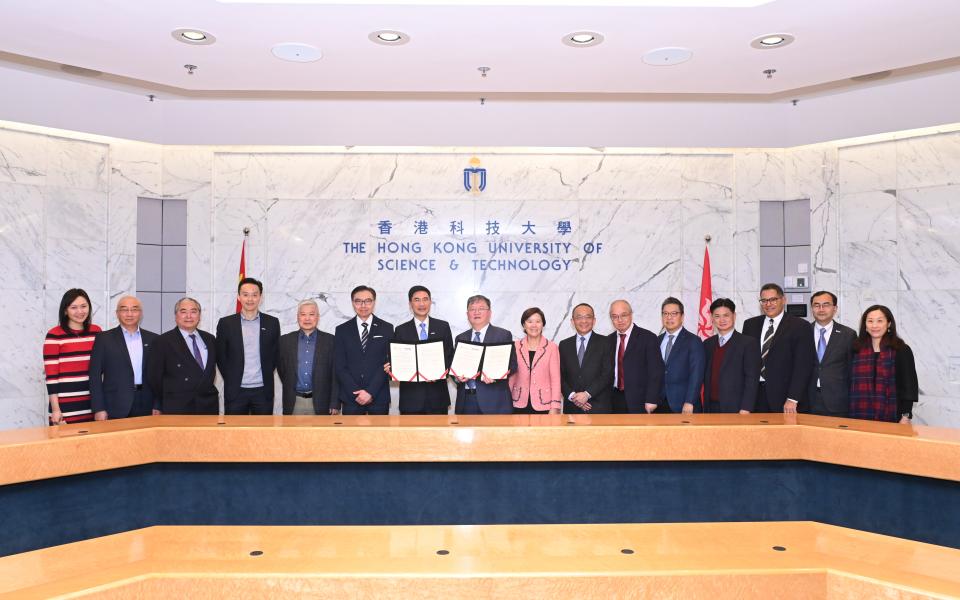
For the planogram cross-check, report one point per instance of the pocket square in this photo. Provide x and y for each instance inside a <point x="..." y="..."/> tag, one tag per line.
<point x="377" y="336"/>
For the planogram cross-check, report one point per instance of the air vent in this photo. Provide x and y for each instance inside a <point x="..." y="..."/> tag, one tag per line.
<point x="82" y="72"/>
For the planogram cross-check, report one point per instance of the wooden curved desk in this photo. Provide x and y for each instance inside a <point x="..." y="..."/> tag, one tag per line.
<point x="154" y="475"/>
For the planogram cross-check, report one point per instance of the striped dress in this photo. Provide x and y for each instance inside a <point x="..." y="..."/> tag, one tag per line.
<point x="66" y="360"/>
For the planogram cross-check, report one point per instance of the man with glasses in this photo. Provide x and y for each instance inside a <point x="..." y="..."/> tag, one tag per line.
<point x="117" y="366"/>
<point x="361" y="347"/>
<point x="786" y="362"/>
<point x="586" y="366"/>
<point x="832" y="350"/>
<point x="683" y="361"/>
<point x="637" y="364"/>
<point x="483" y="396"/>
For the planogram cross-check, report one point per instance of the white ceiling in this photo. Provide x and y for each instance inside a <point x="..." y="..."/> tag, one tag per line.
<point x="835" y="40"/>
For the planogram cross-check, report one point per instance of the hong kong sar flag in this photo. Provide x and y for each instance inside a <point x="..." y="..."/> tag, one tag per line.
<point x="704" y="322"/>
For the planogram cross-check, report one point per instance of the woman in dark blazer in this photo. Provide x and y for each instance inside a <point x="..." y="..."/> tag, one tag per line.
<point x="732" y="375"/>
<point x="883" y="382"/>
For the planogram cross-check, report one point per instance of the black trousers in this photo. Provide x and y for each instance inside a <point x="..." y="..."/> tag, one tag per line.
<point x="249" y="401"/>
<point x="619" y="402"/>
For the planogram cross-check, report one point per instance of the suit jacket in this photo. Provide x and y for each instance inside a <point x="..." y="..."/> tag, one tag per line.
<point x="789" y="362"/>
<point x="642" y="369"/>
<point x="359" y="369"/>
<point x="324" y="380"/>
<point x="739" y="373"/>
<point x="425" y="397"/>
<point x="111" y="373"/>
<point x="540" y="380"/>
<point x="683" y="372"/>
<point x="230" y="352"/>
<point x="593" y="377"/>
<point x="179" y="385"/>
<point x="833" y="372"/>
<point x="493" y="398"/>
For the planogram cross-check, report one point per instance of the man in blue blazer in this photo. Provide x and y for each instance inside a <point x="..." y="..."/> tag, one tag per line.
<point x="118" y="366"/>
<point x="732" y="375"/>
<point x="483" y="396"/>
<point x="637" y="364"/>
<point x="683" y="360"/>
<point x="361" y="346"/>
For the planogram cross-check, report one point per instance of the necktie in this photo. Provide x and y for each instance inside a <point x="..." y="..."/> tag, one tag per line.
<point x="822" y="344"/>
<point x="472" y="383"/>
<point x="423" y="331"/>
<point x="623" y="345"/>
<point x="765" y="348"/>
<point x="722" y="339"/>
<point x="666" y="352"/>
<point x="363" y="338"/>
<point x="581" y="350"/>
<point x="196" y="350"/>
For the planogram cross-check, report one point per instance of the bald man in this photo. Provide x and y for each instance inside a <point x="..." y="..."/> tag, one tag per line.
<point x="118" y="365"/>
<point x="637" y="364"/>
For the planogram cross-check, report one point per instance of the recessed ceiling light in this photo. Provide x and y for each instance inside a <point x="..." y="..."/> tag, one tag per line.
<point x="296" y="52"/>
<point x="389" y="37"/>
<point x="193" y="36"/>
<point x="582" y="39"/>
<point x="772" y="40"/>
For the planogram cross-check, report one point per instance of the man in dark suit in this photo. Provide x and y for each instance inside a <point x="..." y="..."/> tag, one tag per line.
<point x="247" y="353"/>
<point x="637" y="364"/>
<point x="732" y="374"/>
<point x="683" y="360"/>
<point x="786" y="362"/>
<point x="183" y="365"/>
<point x="361" y="347"/>
<point x="833" y="352"/>
<point x="586" y="366"/>
<point x="483" y="396"/>
<point x="305" y="366"/>
<point x="424" y="398"/>
<point x="117" y="364"/>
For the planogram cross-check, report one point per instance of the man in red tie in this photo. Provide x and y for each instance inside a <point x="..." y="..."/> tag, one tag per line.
<point x="637" y="366"/>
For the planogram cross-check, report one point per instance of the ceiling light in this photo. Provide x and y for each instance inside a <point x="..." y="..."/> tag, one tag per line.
<point x="582" y="39"/>
<point x="772" y="40"/>
<point x="388" y="37"/>
<point x="193" y="36"/>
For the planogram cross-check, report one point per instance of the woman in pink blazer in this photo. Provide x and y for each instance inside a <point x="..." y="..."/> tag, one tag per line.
<point x="535" y="385"/>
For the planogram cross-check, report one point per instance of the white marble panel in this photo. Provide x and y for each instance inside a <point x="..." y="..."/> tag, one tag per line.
<point x="135" y="169"/>
<point x="868" y="168"/>
<point x="662" y="176"/>
<point x="868" y="216"/>
<point x="306" y="245"/>
<point x="21" y="371"/>
<point x="812" y="173"/>
<point x="187" y="173"/>
<point x="853" y="302"/>
<point x="21" y="236"/>
<point x="642" y="246"/>
<point x="747" y="303"/>
<point x="231" y="216"/>
<point x="23" y="412"/>
<point x="76" y="214"/>
<point x="746" y="245"/>
<point x="929" y="248"/>
<point x="925" y="321"/>
<point x="928" y="161"/>
<point x="77" y="164"/>
<point x="869" y="265"/>
<point x="76" y="263"/>
<point x="937" y="411"/>
<point x="760" y="175"/>
<point x="713" y="217"/>
<point x="24" y="157"/>
<point x="530" y="177"/>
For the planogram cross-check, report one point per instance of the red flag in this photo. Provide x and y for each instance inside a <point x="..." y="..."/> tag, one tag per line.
<point x="243" y="267"/>
<point x="704" y="321"/>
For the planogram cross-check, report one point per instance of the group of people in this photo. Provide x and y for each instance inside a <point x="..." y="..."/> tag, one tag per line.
<point x="780" y="363"/>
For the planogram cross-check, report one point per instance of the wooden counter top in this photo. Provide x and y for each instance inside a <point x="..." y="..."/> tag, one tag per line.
<point x="715" y="560"/>
<point x="32" y="454"/>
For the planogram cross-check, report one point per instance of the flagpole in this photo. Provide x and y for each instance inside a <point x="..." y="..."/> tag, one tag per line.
<point x="243" y="261"/>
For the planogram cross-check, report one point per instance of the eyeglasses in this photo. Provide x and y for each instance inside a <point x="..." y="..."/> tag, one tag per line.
<point x="124" y="309"/>
<point x="620" y="317"/>
<point x="773" y="300"/>
<point x="822" y="304"/>
<point x="363" y="302"/>
<point x="478" y="310"/>
<point x="583" y="317"/>
<point x="675" y="313"/>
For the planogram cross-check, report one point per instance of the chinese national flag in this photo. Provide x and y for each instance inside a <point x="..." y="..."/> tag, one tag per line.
<point x="704" y="321"/>
<point x="243" y="268"/>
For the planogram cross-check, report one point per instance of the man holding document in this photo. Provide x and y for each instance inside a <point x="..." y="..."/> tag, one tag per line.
<point x="420" y="354"/>
<point x="484" y="358"/>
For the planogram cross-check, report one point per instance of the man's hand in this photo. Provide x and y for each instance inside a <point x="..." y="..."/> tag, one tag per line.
<point x="100" y="415"/>
<point x="790" y="406"/>
<point x="687" y="408"/>
<point x="650" y="407"/>
<point x="363" y="397"/>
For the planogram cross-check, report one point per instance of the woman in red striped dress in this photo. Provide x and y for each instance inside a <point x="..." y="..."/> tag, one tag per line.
<point x="66" y="360"/>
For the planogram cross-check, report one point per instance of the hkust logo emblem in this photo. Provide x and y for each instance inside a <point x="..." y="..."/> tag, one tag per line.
<point x="474" y="177"/>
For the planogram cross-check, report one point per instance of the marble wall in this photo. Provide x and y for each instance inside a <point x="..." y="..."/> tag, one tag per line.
<point x="68" y="203"/>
